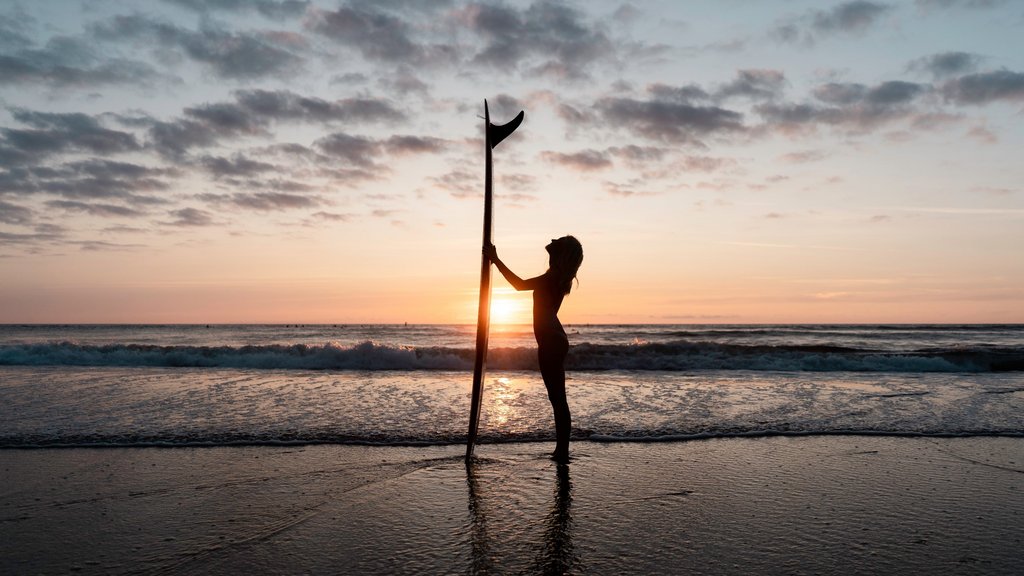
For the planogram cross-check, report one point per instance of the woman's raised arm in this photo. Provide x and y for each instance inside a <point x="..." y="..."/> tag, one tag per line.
<point x="518" y="283"/>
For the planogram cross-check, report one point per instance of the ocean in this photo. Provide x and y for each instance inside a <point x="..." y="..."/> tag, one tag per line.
<point x="199" y="385"/>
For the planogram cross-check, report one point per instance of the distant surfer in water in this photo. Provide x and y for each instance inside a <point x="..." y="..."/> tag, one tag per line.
<point x="565" y="257"/>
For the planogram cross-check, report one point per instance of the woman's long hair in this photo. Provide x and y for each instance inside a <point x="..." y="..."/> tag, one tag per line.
<point x="566" y="257"/>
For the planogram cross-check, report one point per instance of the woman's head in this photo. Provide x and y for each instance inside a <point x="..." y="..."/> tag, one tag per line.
<point x="566" y="255"/>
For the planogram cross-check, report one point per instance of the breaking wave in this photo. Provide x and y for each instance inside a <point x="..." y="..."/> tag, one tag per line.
<point x="680" y="355"/>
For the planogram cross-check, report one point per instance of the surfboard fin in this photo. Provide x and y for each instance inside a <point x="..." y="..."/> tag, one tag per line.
<point x="497" y="133"/>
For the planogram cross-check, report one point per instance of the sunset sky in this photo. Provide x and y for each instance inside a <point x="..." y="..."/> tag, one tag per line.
<point x="728" y="161"/>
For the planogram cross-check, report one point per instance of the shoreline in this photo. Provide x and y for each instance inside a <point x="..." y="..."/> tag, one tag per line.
<point x="823" y="503"/>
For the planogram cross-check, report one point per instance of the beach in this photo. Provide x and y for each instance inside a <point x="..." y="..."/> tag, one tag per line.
<point x="782" y="505"/>
<point x="339" y="449"/>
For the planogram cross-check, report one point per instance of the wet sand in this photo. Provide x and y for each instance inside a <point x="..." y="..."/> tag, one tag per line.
<point x="780" y="505"/>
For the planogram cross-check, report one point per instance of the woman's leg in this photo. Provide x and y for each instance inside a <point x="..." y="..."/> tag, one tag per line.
<point x="552" y="370"/>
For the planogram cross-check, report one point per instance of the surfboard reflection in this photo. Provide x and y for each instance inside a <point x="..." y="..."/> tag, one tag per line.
<point x="481" y="559"/>
<point x="555" y="553"/>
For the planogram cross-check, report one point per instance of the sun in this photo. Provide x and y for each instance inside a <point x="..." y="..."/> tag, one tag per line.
<point x="507" y="308"/>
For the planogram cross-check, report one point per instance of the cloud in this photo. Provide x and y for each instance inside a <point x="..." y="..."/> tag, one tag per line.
<point x="584" y="161"/>
<point x="854" y="17"/>
<point x="637" y="155"/>
<point x="275" y="9"/>
<point x="69" y="62"/>
<point x="946" y="64"/>
<point x="633" y="188"/>
<point x="804" y="156"/>
<point x="983" y="134"/>
<point x="376" y="34"/>
<point x="268" y="201"/>
<point x="460" y="183"/>
<point x="985" y="87"/>
<point x="235" y="55"/>
<point x="251" y="114"/>
<point x="357" y="150"/>
<point x="704" y="163"/>
<point x="102" y="210"/>
<point x="401" y="145"/>
<point x="99" y="245"/>
<point x="669" y="116"/>
<point x="333" y="216"/>
<point x="239" y="165"/>
<point x="174" y="139"/>
<point x="190" y="217"/>
<point x="13" y="28"/>
<point x="754" y="84"/>
<point x="547" y="38"/>
<point x="886" y="94"/>
<point x="227" y="119"/>
<point x="286" y="105"/>
<point x="403" y="82"/>
<point x="14" y="214"/>
<point x="851" y="106"/>
<point x="89" y="180"/>
<point x="44" y="234"/>
<point x="52" y="133"/>
<point x="519" y="182"/>
<point x="959" y="3"/>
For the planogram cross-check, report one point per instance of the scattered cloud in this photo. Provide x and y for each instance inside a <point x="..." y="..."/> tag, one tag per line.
<point x="985" y="87"/>
<point x="584" y="161"/>
<point x="754" y="84"/>
<point x="357" y="150"/>
<point x="414" y="145"/>
<point x="234" y="55"/>
<point x="272" y="201"/>
<point x="190" y="217"/>
<point x="14" y="214"/>
<point x="850" y="106"/>
<point x="848" y="18"/>
<point x="670" y="115"/>
<point x="804" y="156"/>
<point x="90" y="180"/>
<point x="521" y="182"/>
<point x="983" y="134"/>
<point x="946" y="64"/>
<point x="95" y="209"/>
<point x="546" y="38"/>
<point x="332" y="216"/>
<point x="285" y="105"/>
<point x="460" y="183"/>
<point x="239" y="165"/>
<point x="959" y="3"/>
<point x="51" y="133"/>
<point x="377" y="35"/>
<point x="66" y="62"/>
<point x="856" y="16"/>
<point x="274" y="9"/>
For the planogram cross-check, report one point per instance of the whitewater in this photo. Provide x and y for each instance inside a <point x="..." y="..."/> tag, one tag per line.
<point x="174" y="385"/>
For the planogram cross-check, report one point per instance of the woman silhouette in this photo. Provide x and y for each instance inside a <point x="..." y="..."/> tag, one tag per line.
<point x="565" y="257"/>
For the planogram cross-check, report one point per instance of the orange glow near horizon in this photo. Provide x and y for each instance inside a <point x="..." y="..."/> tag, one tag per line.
<point x="508" y="309"/>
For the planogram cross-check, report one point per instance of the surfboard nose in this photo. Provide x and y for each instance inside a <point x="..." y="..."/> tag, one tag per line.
<point x="497" y="133"/>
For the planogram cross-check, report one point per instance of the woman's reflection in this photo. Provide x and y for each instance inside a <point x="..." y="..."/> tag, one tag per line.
<point x="556" y="554"/>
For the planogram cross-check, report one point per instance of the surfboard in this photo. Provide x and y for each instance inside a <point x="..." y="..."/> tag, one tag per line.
<point x="493" y="135"/>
